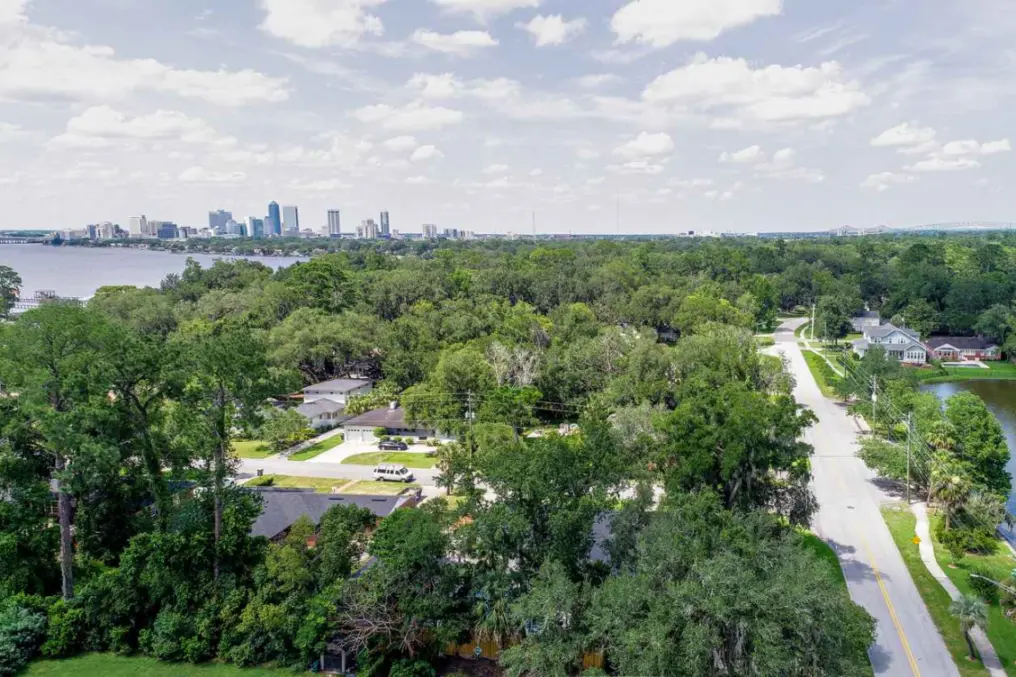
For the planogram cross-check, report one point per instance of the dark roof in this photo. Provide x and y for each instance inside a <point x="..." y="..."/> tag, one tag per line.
<point x="282" y="507"/>
<point x="961" y="342"/>
<point x="318" y="407"/>
<point x="866" y="315"/>
<point x="342" y="385"/>
<point x="380" y="418"/>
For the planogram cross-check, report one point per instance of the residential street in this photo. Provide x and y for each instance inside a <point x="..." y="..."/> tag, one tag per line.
<point x="278" y="466"/>
<point x="908" y="644"/>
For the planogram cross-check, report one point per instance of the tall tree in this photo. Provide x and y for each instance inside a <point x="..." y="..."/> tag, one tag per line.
<point x="10" y="288"/>
<point x="972" y="613"/>
<point x="980" y="441"/>
<point x="226" y="383"/>
<point x="47" y="357"/>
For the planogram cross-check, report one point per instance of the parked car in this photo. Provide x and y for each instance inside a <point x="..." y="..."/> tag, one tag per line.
<point x="390" y="472"/>
<point x="393" y="445"/>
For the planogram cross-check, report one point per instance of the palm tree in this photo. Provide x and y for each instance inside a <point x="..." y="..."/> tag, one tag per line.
<point x="942" y="436"/>
<point x="971" y="612"/>
<point x="950" y="486"/>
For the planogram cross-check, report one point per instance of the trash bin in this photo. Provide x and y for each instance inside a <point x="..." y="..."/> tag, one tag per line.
<point x="261" y="472"/>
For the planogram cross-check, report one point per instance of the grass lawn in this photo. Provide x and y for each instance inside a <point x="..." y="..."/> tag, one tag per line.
<point x="369" y="488"/>
<point x="320" y="484"/>
<point x="406" y="458"/>
<point x="251" y="449"/>
<point x="317" y="449"/>
<point x="1001" y="631"/>
<point x="995" y="371"/>
<point x="901" y="525"/>
<point x="106" y="665"/>
<point x="823" y="373"/>
<point x="804" y="331"/>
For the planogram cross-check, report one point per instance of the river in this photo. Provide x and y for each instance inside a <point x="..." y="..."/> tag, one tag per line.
<point x="1000" y="398"/>
<point x="78" y="271"/>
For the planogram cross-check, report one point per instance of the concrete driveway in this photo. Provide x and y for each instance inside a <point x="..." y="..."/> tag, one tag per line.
<point x="346" y="449"/>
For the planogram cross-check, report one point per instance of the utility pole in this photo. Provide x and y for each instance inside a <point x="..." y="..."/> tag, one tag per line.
<point x="910" y="434"/>
<point x="813" y="321"/>
<point x="874" y="397"/>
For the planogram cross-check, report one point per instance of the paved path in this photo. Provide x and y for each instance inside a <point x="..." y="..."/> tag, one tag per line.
<point x="907" y="643"/>
<point x="280" y="466"/>
<point x="927" y="550"/>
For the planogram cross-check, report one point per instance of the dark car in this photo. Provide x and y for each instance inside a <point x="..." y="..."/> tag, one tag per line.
<point x="393" y="445"/>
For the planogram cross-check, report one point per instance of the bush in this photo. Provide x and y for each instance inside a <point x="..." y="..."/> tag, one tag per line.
<point x="408" y="440"/>
<point x="65" y="634"/>
<point x="406" y="667"/>
<point x="1007" y="600"/>
<point x="986" y="590"/>
<point x="265" y="481"/>
<point x="21" y="634"/>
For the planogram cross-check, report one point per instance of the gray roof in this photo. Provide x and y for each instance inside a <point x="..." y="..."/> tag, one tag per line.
<point x="318" y="407"/>
<point x="340" y="385"/>
<point x="961" y="342"/>
<point x="864" y="345"/>
<point x="884" y="330"/>
<point x="380" y="418"/>
<point x="866" y="315"/>
<point x="282" y="507"/>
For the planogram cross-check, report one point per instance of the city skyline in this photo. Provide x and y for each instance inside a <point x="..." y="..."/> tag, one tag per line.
<point x="754" y="115"/>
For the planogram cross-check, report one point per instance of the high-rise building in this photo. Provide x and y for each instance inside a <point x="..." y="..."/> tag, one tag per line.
<point x="386" y="229"/>
<point x="217" y="221"/>
<point x="290" y="220"/>
<point x="430" y="231"/>
<point x="273" y="224"/>
<point x="334" y="223"/>
<point x="370" y="229"/>
<point x="138" y="226"/>
<point x="255" y="227"/>
<point x="107" y="231"/>
<point x="164" y="230"/>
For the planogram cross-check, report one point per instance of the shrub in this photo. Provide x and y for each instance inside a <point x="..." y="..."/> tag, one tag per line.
<point x="65" y="634"/>
<point x="21" y="634"/>
<point x="1007" y="600"/>
<point x="406" y="667"/>
<point x="408" y="440"/>
<point x="265" y="481"/>
<point x="986" y="590"/>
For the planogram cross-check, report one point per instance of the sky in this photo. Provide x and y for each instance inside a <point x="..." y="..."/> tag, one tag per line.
<point x="721" y="115"/>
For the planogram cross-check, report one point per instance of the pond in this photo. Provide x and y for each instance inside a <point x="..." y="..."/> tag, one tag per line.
<point x="1000" y="398"/>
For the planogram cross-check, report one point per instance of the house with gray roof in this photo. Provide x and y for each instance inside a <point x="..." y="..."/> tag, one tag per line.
<point x="865" y="320"/>
<point x="900" y="343"/>
<point x="338" y="390"/>
<point x="393" y="420"/>
<point x="281" y="508"/>
<point x="961" y="348"/>
<point x="323" y="413"/>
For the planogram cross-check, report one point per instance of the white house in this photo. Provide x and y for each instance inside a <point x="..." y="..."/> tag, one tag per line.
<point x="323" y="413"/>
<point x="866" y="320"/>
<point x="392" y="419"/>
<point x="338" y="390"/>
<point x="901" y="343"/>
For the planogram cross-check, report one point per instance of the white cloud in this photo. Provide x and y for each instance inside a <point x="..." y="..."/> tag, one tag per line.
<point x="691" y="183"/>
<point x="417" y="180"/>
<point x="101" y="126"/>
<point x="431" y="86"/>
<point x="647" y="145"/>
<point x="885" y="180"/>
<point x="459" y="43"/>
<point x="202" y="175"/>
<point x="732" y="87"/>
<point x="972" y="147"/>
<point x="318" y="185"/>
<point x="401" y="143"/>
<point x="637" y="167"/>
<point x="596" y="80"/>
<point x="321" y="23"/>
<point x="425" y="153"/>
<point x="940" y="164"/>
<point x="414" y="116"/>
<point x="553" y="29"/>
<point x="908" y="136"/>
<point x="495" y="169"/>
<point x="484" y="9"/>
<point x="39" y="63"/>
<point x="10" y="132"/>
<point x="536" y="172"/>
<point x="12" y="11"/>
<point x="744" y="156"/>
<point x="722" y="196"/>
<point x="660" y="23"/>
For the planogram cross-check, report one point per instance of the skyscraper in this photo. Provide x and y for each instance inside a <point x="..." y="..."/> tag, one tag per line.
<point x="274" y="223"/>
<point x="334" y="223"/>
<point x="217" y="221"/>
<point x="385" y="225"/>
<point x="290" y="220"/>
<point x="370" y="229"/>
<point x="430" y="231"/>
<point x="138" y="226"/>
<point x="255" y="227"/>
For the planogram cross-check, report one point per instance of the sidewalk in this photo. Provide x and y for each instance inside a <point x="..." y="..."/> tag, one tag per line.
<point x="988" y="656"/>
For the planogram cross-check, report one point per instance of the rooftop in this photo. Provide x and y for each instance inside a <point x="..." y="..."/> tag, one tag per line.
<point x="282" y="507"/>
<point x="342" y="385"/>
<point x="319" y="407"/>
<point x="961" y="342"/>
<point x="884" y="330"/>
<point x="386" y="417"/>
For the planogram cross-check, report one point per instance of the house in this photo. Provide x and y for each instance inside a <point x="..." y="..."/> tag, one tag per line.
<point x="324" y="404"/>
<point x="960" y="348"/>
<point x="392" y="419"/>
<point x="323" y="413"/>
<point x="865" y="320"/>
<point x="338" y="390"/>
<point x="281" y="508"/>
<point x="901" y="343"/>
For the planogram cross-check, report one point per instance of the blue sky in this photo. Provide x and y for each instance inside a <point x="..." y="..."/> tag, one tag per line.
<point x="724" y="115"/>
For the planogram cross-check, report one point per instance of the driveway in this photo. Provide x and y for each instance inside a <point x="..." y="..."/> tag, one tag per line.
<point x="346" y="449"/>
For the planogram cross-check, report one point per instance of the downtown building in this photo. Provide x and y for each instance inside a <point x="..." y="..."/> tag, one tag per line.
<point x="334" y="223"/>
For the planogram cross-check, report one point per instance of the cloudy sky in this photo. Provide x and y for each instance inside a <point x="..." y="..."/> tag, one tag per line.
<point x="729" y="115"/>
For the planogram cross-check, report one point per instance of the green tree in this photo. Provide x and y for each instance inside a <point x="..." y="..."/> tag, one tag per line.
<point x="10" y="289"/>
<point x="283" y="429"/>
<point x="980" y="441"/>
<point x="997" y="323"/>
<point x="972" y="613"/>
<point x="320" y="346"/>
<point x="48" y="358"/>
<point x="832" y="318"/>
<point x="323" y="282"/>
<point x="697" y="310"/>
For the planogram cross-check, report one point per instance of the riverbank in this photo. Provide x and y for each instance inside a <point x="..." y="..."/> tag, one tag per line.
<point x="996" y="371"/>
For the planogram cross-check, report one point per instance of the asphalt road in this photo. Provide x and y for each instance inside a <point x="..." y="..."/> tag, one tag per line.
<point x="278" y="466"/>
<point x="849" y="520"/>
